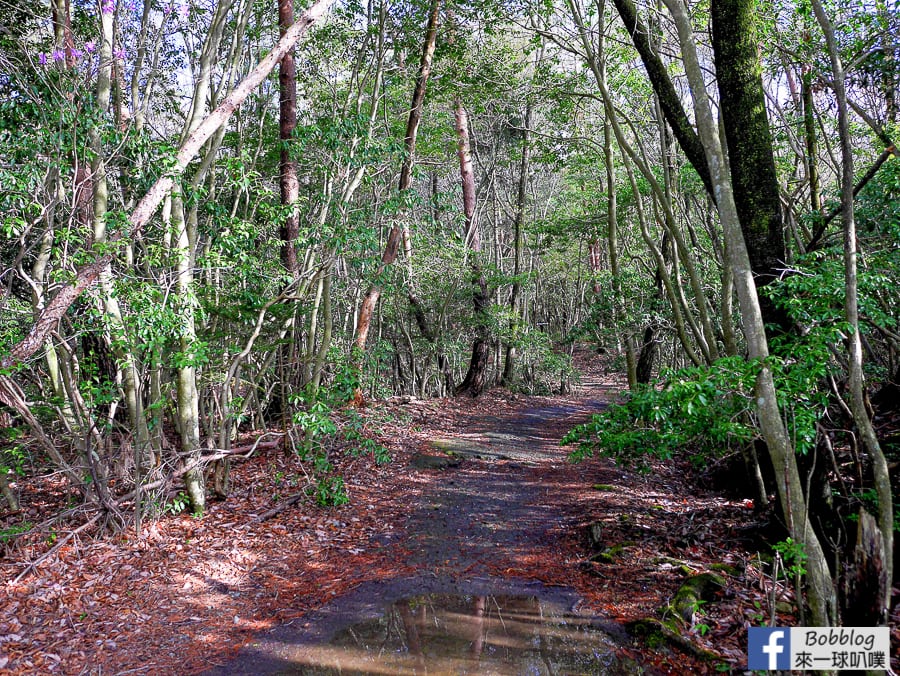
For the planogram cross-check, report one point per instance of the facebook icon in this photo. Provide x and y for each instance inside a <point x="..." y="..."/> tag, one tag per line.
<point x="769" y="648"/>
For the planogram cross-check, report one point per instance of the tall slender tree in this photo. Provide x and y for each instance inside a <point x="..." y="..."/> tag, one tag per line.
<point x="399" y="231"/>
<point x="881" y="582"/>
<point x="476" y="375"/>
<point x="287" y="121"/>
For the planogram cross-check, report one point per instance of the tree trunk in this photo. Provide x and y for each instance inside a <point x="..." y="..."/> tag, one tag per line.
<point x="509" y="361"/>
<point x="851" y="313"/>
<point x="474" y="381"/>
<point x="809" y="136"/>
<point x="820" y="589"/>
<point x="751" y="155"/>
<point x="669" y="98"/>
<point x="626" y="341"/>
<point x="647" y="355"/>
<point x="865" y="580"/>
<point x="290" y="186"/>
<point x="187" y="397"/>
<point x="396" y="234"/>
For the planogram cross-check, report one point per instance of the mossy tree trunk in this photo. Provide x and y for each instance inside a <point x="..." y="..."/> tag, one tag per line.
<point x="820" y="588"/>
<point x="751" y="155"/>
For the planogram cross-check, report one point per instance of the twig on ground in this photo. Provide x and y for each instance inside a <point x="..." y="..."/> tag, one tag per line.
<point x="30" y="568"/>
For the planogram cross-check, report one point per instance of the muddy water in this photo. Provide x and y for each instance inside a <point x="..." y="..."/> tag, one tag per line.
<point x="447" y="633"/>
<point x="450" y="634"/>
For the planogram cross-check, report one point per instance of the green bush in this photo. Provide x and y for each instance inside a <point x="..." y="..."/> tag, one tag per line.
<point x="706" y="409"/>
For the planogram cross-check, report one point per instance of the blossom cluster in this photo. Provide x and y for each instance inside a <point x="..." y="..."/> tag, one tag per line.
<point x="60" y="55"/>
<point x="182" y="9"/>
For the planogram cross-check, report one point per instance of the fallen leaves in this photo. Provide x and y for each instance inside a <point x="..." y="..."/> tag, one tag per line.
<point x="185" y="594"/>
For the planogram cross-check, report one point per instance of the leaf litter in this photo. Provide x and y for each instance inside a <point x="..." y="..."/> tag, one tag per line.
<point x="186" y="594"/>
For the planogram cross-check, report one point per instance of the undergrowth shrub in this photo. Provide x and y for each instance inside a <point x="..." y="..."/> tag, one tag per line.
<point x="544" y="368"/>
<point x="319" y="419"/>
<point x="705" y="409"/>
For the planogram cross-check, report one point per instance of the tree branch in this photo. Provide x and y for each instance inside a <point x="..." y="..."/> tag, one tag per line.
<point x="87" y="275"/>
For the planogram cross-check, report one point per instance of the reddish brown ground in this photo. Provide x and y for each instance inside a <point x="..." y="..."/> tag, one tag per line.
<point x="188" y="593"/>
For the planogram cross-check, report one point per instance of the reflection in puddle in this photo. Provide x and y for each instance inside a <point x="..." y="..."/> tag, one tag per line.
<point x="455" y="634"/>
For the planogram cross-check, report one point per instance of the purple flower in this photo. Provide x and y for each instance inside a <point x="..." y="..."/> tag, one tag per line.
<point x="77" y="53"/>
<point x="42" y="59"/>
<point x="108" y="6"/>
<point x="167" y="10"/>
<point x="90" y="46"/>
<point x="119" y="53"/>
<point x="183" y="10"/>
<point x="59" y="55"/>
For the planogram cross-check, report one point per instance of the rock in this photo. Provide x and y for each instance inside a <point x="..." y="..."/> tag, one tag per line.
<point x="424" y="461"/>
<point x="610" y="554"/>
<point x="656" y="634"/>
<point x="595" y="536"/>
<point x="728" y="569"/>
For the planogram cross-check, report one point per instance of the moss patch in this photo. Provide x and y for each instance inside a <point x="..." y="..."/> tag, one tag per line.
<point x="697" y="590"/>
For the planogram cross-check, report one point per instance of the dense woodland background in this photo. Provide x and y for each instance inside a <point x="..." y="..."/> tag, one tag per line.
<point x="430" y="199"/>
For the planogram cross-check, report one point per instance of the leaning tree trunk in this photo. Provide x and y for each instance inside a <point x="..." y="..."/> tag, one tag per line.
<point x="737" y="67"/>
<point x="397" y="233"/>
<point x="474" y="381"/>
<point x="669" y="98"/>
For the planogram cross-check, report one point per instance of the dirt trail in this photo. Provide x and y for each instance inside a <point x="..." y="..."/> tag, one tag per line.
<point x="479" y="523"/>
<point x="498" y="499"/>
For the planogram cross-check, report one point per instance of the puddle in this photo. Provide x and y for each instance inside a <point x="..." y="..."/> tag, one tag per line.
<point x="445" y="632"/>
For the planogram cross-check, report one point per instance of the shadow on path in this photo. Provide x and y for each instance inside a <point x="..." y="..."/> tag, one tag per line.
<point x="452" y="616"/>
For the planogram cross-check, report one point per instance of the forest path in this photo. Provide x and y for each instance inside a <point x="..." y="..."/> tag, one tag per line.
<point x="489" y="521"/>
<point x="492" y="546"/>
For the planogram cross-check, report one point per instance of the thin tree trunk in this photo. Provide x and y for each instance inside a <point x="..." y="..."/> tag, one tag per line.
<point x="519" y="249"/>
<point x="287" y="111"/>
<point x="851" y="313"/>
<point x="474" y="381"/>
<point x="117" y="333"/>
<point x="809" y="137"/>
<point x="669" y="98"/>
<point x="396" y="235"/>
<point x="612" y="217"/>
<point x="187" y="397"/>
